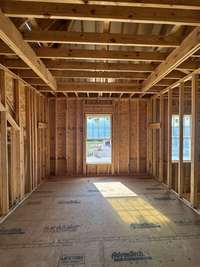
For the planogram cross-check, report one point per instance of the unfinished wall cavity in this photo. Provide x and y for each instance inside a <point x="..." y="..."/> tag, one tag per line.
<point x="68" y="133"/>
<point x="23" y="140"/>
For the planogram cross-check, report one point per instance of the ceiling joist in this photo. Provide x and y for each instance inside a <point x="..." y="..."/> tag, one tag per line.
<point x="100" y="13"/>
<point x="178" y="4"/>
<point x="27" y="73"/>
<point x="95" y="87"/>
<point x="101" y="38"/>
<point x="65" y="53"/>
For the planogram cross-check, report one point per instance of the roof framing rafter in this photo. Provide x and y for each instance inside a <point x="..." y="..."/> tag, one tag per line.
<point x="100" y="12"/>
<point x="188" y="47"/>
<point x="12" y="37"/>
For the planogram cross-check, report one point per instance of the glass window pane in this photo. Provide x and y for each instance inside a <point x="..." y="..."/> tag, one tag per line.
<point x="187" y="124"/>
<point x="175" y="137"/>
<point x="98" y="143"/>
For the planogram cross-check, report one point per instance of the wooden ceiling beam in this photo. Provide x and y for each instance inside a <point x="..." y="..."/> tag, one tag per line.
<point x="100" y="13"/>
<point x="189" y="46"/>
<point x="65" y="53"/>
<point x="175" y="75"/>
<point x="37" y="81"/>
<point x="84" y="66"/>
<point x="178" y="4"/>
<point x="85" y="74"/>
<point x="101" y="38"/>
<point x="12" y="37"/>
<point x="97" y="66"/>
<point x="95" y="87"/>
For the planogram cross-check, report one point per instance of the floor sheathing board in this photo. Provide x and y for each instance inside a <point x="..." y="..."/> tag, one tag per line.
<point x="101" y="222"/>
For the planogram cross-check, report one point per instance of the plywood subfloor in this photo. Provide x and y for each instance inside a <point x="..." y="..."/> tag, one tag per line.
<point x="101" y="222"/>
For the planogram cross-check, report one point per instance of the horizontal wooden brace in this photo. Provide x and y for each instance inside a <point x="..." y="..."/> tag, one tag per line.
<point x="155" y="125"/>
<point x="42" y="125"/>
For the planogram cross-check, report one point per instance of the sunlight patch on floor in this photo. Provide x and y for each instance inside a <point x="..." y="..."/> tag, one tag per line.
<point x="131" y="208"/>
<point x="114" y="189"/>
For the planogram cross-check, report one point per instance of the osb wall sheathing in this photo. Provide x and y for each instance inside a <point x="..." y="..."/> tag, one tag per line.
<point x="67" y="136"/>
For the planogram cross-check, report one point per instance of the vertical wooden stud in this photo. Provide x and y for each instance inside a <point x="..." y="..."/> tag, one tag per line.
<point x="161" y="139"/>
<point x="169" y="155"/>
<point x="195" y="142"/>
<point x="4" y="147"/>
<point x="180" y="162"/>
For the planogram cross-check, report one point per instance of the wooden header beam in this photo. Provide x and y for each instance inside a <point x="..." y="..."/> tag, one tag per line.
<point x="188" y="47"/>
<point x="100" y="38"/>
<point x="12" y="37"/>
<point x="100" y="13"/>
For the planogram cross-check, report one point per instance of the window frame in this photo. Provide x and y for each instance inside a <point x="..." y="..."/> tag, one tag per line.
<point x="175" y="114"/>
<point x="85" y="136"/>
